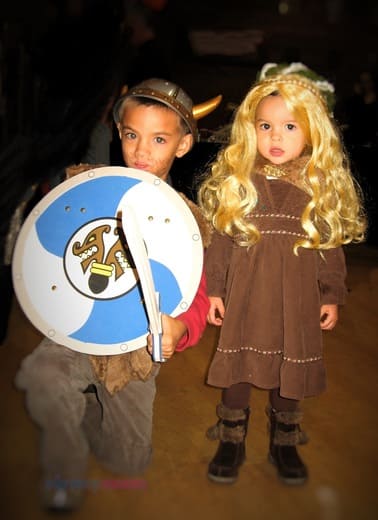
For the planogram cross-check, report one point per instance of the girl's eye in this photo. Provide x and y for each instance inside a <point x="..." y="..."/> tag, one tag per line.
<point x="160" y="140"/>
<point x="290" y="126"/>
<point x="130" y="135"/>
<point x="265" y="126"/>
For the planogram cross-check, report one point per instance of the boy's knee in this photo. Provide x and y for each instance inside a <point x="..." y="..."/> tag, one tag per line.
<point x="51" y="368"/>
<point x="52" y="394"/>
<point x="39" y="374"/>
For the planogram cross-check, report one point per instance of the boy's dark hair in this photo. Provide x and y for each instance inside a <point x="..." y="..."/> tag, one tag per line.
<point x="162" y="92"/>
<point x="148" y="102"/>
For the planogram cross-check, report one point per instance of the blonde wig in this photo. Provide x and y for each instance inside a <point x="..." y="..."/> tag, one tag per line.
<point x="334" y="214"/>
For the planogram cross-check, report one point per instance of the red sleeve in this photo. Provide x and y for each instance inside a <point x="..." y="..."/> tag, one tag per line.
<point x="195" y="317"/>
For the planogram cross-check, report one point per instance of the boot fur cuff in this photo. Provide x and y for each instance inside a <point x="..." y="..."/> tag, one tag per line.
<point x="230" y="414"/>
<point x="234" y="434"/>
<point x="285" y="417"/>
<point x="286" y="428"/>
<point x="221" y="432"/>
<point x="292" y="438"/>
<point x="228" y="432"/>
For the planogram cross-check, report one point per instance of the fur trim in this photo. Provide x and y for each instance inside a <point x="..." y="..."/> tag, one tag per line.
<point x="289" y="417"/>
<point x="234" y="434"/>
<point x="291" y="438"/>
<point x="287" y="431"/>
<point x="203" y="224"/>
<point x="291" y="169"/>
<point x="117" y="371"/>
<point x="212" y="433"/>
<point x="75" y="169"/>
<point x="285" y="417"/>
<point x="231" y="427"/>
<point x="230" y="414"/>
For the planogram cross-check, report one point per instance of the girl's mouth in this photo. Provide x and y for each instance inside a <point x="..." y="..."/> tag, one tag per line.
<point x="276" y="152"/>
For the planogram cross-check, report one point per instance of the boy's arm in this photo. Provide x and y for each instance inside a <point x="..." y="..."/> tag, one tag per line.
<point x="184" y="330"/>
<point x="194" y="318"/>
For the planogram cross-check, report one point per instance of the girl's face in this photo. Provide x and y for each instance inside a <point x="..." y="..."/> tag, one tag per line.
<point x="152" y="137"/>
<point x="279" y="136"/>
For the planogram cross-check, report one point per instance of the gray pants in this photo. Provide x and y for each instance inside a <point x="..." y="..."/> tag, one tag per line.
<point x="117" y="428"/>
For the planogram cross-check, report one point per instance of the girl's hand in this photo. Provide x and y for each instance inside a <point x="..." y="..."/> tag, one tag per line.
<point x="329" y="315"/>
<point x="216" y="312"/>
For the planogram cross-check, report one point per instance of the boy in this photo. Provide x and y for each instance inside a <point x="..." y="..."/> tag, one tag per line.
<point x="105" y="403"/>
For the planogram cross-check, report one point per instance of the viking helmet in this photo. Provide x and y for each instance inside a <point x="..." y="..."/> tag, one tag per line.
<point x="173" y="97"/>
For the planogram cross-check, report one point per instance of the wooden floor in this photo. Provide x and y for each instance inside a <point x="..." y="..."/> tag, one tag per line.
<point x="342" y="425"/>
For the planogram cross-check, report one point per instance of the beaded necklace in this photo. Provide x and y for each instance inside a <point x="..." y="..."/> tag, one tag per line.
<point x="274" y="171"/>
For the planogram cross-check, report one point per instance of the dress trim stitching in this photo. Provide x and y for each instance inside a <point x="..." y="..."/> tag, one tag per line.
<point x="282" y="232"/>
<point x="271" y="353"/>
<point x="274" y="215"/>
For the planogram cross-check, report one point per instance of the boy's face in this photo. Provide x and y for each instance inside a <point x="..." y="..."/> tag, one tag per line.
<point x="152" y="137"/>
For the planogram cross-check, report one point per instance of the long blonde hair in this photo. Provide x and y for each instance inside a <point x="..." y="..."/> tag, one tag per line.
<point x="334" y="215"/>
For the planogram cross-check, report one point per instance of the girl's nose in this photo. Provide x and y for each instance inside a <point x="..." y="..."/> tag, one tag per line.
<point x="276" y="135"/>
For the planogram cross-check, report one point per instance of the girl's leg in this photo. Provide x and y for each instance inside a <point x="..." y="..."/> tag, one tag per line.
<point x="230" y="430"/>
<point x="282" y="404"/>
<point x="285" y="434"/>
<point x="237" y="396"/>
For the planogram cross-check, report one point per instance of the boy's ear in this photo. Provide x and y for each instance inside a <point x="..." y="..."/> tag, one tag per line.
<point x="185" y="145"/>
<point x="119" y="130"/>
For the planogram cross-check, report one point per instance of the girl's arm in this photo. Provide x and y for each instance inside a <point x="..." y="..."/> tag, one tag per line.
<point x="216" y="312"/>
<point x="332" y="274"/>
<point x="217" y="261"/>
<point x="329" y="315"/>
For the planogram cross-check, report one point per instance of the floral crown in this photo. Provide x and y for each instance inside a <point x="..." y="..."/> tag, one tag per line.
<point x="318" y="85"/>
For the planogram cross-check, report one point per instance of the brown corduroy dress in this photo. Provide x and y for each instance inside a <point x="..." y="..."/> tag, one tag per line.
<point x="271" y="334"/>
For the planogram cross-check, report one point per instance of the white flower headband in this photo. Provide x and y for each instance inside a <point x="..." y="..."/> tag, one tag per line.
<point x="323" y="87"/>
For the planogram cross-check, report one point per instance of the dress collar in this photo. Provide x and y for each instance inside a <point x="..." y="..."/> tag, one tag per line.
<point x="291" y="170"/>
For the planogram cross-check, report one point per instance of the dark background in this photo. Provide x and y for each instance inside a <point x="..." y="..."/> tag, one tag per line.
<point x="338" y="38"/>
<point x="61" y="61"/>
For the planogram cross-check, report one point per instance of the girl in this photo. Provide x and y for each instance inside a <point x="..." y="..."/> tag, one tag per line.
<point x="282" y="202"/>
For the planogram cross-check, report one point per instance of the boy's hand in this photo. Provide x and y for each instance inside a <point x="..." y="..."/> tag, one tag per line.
<point x="216" y="312"/>
<point x="328" y="316"/>
<point x="173" y="331"/>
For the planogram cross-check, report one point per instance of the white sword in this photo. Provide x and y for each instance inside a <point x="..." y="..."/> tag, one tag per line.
<point x="150" y="295"/>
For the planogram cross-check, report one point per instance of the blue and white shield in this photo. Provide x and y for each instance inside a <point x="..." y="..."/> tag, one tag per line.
<point x="73" y="273"/>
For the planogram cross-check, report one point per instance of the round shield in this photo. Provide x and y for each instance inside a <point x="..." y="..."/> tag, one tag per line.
<point x="73" y="273"/>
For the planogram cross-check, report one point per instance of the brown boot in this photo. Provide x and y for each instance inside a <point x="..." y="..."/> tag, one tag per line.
<point x="285" y="435"/>
<point x="231" y="431"/>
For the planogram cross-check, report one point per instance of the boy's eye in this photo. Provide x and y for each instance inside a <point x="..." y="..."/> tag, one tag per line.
<point x="160" y="140"/>
<point x="130" y="135"/>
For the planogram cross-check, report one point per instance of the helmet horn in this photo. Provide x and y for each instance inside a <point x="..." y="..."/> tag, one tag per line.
<point x="201" y="110"/>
